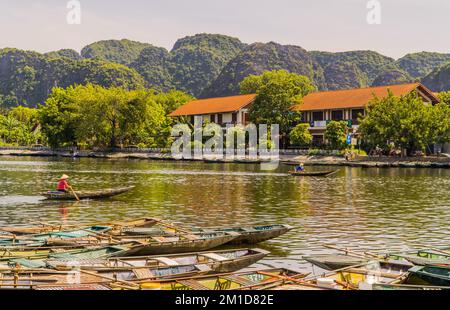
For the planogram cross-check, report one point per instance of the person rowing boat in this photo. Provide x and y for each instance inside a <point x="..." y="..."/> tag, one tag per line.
<point x="63" y="184"/>
<point x="300" y="168"/>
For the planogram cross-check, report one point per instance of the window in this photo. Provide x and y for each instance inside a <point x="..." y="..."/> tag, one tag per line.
<point x="213" y="118"/>
<point x="337" y="115"/>
<point x="219" y="119"/>
<point x="355" y="114"/>
<point x="318" y="116"/>
<point x="234" y="118"/>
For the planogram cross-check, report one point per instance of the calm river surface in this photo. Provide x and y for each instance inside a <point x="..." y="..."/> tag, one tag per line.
<point x="364" y="209"/>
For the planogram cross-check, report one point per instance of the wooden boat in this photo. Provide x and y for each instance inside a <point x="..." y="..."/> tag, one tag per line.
<point x="116" y="227"/>
<point x="152" y="245"/>
<point x="429" y="275"/>
<point x="39" y="261"/>
<point x="97" y="194"/>
<point x="218" y="261"/>
<point x="252" y="234"/>
<point x="312" y="173"/>
<point x="406" y="287"/>
<point x="226" y="281"/>
<point x="425" y="257"/>
<point x="126" y="275"/>
<point x="362" y="277"/>
<point x="179" y="244"/>
<point x="335" y="261"/>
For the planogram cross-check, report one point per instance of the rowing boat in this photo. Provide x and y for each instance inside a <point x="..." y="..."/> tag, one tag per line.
<point x="226" y="281"/>
<point x="116" y="227"/>
<point x="425" y="257"/>
<point x="97" y="194"/>
<point x="252" y="234"/>
<point x="312" y="173"/>
<point x="223" y="261"/>
<point x="335" y="261"/>
<point x="429" y="275"/>
<point x="186" y="243"/>
<point x="362" y="277"/>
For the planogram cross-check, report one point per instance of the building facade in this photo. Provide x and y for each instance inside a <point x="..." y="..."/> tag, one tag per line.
<point x="318" y="108"/>
<point x="223" y="111"/>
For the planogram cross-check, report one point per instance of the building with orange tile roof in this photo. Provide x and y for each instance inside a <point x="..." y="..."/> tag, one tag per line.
<point x="317" y="108"/>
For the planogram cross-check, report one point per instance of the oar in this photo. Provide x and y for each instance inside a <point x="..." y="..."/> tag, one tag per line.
<point x="350" y="252"/>
<point x="75" y="194"/>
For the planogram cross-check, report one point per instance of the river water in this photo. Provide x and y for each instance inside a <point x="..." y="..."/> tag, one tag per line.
<point x="363" y="209"/>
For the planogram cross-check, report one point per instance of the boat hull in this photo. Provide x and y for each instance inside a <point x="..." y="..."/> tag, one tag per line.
<point x="105" y="193"/>
<point x="317" y="173"/>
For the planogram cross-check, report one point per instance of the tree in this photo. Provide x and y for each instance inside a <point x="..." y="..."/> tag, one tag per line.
<point x="445" y="97"/>
<point x="300" y="135"/>
<point x="336" y="134"/>
<point x="59" y="117"/>
<point x="276" y="92"/>
<point x="406" y="122"/>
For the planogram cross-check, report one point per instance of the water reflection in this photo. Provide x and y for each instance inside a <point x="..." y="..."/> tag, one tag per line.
<point x="372" y="208"/>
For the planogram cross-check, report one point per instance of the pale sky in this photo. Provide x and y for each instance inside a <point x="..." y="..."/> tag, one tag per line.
<point x="328" y="25"/>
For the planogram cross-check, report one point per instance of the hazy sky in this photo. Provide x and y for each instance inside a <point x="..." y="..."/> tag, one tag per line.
<point x="329" y="25"/>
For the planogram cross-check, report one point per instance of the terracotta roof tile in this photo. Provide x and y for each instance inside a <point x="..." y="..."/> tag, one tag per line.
<point x="214" y="105"/>
<point x="351" y="98"/>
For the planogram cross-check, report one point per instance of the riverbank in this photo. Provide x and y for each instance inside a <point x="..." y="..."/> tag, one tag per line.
<point x="317" y="160"/>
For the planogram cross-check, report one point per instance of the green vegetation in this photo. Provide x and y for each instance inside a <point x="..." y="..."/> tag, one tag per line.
<point x="406" y="122"/>
<point x="370" y="64"/>
<point x="67" y="53"/>
<point x="276" y="92"/>
<point x="19" y="126"/>
<point x="392" y="77"/>
<point x="119" y="51"/>
<point x="27" y="78"/>
<point x="438" y="79"/>
<point x="445" y="97"/>
<point x="93" y="116"/>
<point x="300" y="135"/>
<point x="421" y="64"/>
<point x="258" y="58"/>
<point x="336" y="134"/>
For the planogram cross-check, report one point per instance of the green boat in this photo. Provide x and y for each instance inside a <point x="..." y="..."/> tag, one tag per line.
<point x="429" y="275"/>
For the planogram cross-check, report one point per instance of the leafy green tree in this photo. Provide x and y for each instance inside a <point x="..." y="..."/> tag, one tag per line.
<point x="336" y="134"/>
<point x="59" y="117"/>
<point x="445" y="97"/>
<point x="300" y="135"/>
<point x="406" y="122"/>
<point x="276" y="92"/>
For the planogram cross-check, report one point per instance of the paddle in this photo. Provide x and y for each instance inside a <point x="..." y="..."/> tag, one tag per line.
<point x="75" y="194"/>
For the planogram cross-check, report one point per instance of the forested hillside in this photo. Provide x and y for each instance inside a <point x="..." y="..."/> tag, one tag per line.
<point x="204" y="65"/>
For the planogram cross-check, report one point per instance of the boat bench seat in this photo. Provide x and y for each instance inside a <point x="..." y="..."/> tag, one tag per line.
<point x="215" y="257"/>
<point x="194" y="285"/>
<point x="166" y="261"/>
<point x="143" y="273"/>
<point x="239" y="280"/>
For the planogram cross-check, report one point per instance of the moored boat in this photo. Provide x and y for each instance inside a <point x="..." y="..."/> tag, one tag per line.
<point x="226" y="281"/>
<point x="92" y="194"/>
<point x="251" y="234"/>
<point x="429" y="275"/>
<point x="312" y="173"/>
<point x="223" y="261"/>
